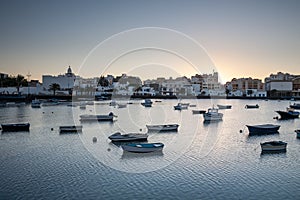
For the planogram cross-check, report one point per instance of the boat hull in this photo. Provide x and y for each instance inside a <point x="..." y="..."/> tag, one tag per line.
<point x="70" y="129"/>
<point x="180" y="107"/>
<point x="251" y="106"/>
<point x="274" y="146"/>
<point x="128" y="137"/>
<point x="35" y="105"/>
<point x="15" y="127"/>
<point x="143" y="148"/>
<point x="208" y="117"/>
<point x="263" y="129"/>
<point x="295" y="106"/>
<point x="162" y="128"/>
<point x="147" y="104"/>
<point x="288" y="115"/>
<point x="298" y="133"/>
<point x="96" y="118"/>
<point x="212" y="114"/>
<point x="224" y="106"/>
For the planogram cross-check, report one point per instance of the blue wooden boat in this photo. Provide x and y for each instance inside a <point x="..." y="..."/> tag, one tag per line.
<point x="143" y="147"/>
<point x="263" y="129"/>
<point x="15" y="127"/>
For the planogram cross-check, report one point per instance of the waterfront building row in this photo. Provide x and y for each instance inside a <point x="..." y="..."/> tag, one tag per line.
<point x="276" y="85"/>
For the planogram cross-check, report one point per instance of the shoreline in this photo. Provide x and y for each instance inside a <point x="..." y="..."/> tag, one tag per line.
<point x="25" y="98"/>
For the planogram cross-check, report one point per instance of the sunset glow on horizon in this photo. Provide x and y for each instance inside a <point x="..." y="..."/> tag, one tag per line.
<point x="237" y="38"/>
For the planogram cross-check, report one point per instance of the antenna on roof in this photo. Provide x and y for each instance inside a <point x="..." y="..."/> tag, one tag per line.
<point x="28" y="76"/>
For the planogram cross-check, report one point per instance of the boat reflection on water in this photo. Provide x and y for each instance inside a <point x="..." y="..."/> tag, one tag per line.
<point x="280" y="153"/>
<point x="206" y="123"/>
<point x="130" y="155"/>
<point x="118" y="144"/>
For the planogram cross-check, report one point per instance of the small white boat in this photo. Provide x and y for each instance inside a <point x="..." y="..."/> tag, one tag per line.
<point x="118" y="137"/>
<point x="180" y="106"/>
<point x="108" y="117"/>
<point x="70" y="129"/>
<point x="273" y="146"/>
<point x="35" y="103"/>
<point x="213" y="114"/>
<point x="143" y="148"/>
<point x="224" y="106"/>
<point x="298" y="133"/>
<point x="162" y="128"/>
<point x="147" y="103"/>
<point x="263" y="129"/>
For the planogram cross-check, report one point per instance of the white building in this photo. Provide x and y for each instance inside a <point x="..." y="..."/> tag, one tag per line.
<point x="279" y="85"/>
<point x="207" y="84"/>
<point x="178" y="86"/>
<point x="66" y="81"/>
<point x="211" y="81"/>
<point x="126" y="85"/>
<point x="146" y="91"/>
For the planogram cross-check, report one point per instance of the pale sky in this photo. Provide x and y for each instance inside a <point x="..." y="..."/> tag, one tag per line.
<point x="237" y="38"/>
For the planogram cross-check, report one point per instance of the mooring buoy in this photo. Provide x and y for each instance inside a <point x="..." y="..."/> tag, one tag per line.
<point x="94" y="139"/>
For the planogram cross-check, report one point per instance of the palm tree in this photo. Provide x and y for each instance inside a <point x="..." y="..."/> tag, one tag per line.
<point x="103" y="82"/>
<point x="54" y="87"/>
<point x="227" y="91"/>
<point x="19" y="80"/>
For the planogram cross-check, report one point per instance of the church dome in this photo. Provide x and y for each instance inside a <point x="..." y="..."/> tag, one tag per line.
<point x="69" y="71"/>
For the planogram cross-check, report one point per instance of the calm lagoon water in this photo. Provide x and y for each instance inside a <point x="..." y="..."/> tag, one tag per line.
<point x="200" y="161"/>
